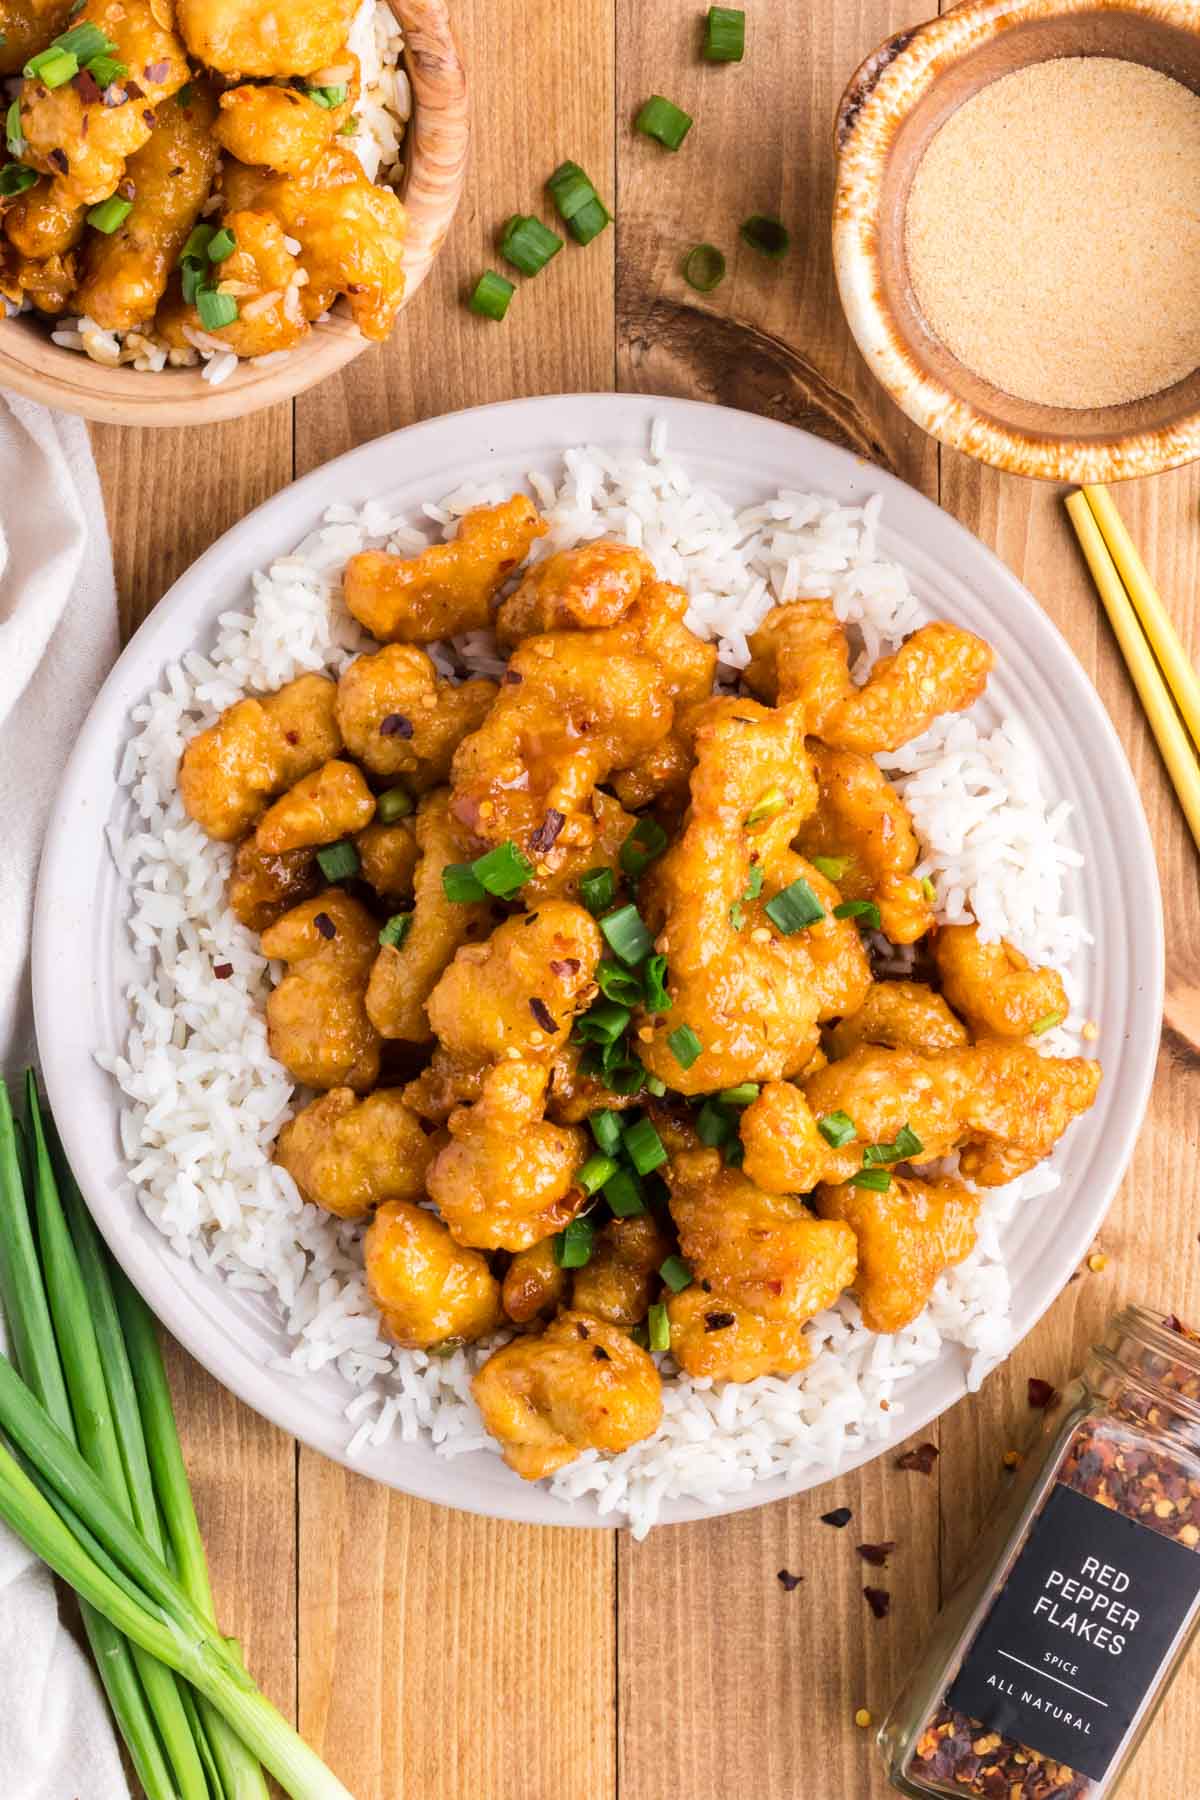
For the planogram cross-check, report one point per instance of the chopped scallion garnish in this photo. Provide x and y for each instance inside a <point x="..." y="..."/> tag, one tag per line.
<point x="196" y="248"/>
<point x="394" y="803"/>
<point x="878" y="1180"/>
<point x="753" y="888"/>
<point x="831" y="867"/>
<point x="865" y="911"/>
<point x="606" y="1129"/>
<point x="596" y="889"/>
<point x="15" y="178"/>
<point x="645" y="843"/>
<point x="627" y="1077"/>
<point x="528" y="244"/>
<point x="624" y="1195"/>
<point x="928" y="889"/>
<point x="658" y="1327"/>
<point x="84" y="42"/>
<point x="724" y="34"/>
<point x="662" y="120"/>
<point x="742" y="1095"/>
<point x="215" y="310"/>
<point x="461" y="884"/>
<point x="578" y="202"/>
<point x="771" y="803"/>
<point x="626" y="933"/>
<point x="52" y="67"/>
<point x="589" y="221"/>
<point x="14" y="136"/>
<point x="676" y="1274"/>
<point x="684" y="1045"/>
<point x="573" y="1247"/>
<point x="734" y="1153"/>
<point x="904" y="1145"/>
<point x="837" y="1128"/>
<point x="338" y="862"/>
<point x="1047" y="1023"/>
<point x="619" y="984"/>
<point x="654" y="976"/>
<point x="396" y="930"/>
<point x="221" y="244"/>
<point x="794" y="908"/>
<point x="765" y="235"/>
<point x="656" y="1085"/>
<point x="108" y="214"/>
<point x="328" y="97"/>
<point x="104" y="70"/>
<point x="603" y="1023"/>
<point x="502" y="871"/>
<point x="491" y="295"/>
<point x="644" y="1148"/>
<point x="704" y="268"/>
<point x="595" y="1172"/>
<point x="713" y="1125"/>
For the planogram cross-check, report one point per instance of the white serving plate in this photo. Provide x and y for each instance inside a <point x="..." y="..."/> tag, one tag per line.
<point x="81" y="957"/>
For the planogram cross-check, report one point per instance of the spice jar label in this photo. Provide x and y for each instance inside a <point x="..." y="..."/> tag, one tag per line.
<point x="1078" y="1633"/>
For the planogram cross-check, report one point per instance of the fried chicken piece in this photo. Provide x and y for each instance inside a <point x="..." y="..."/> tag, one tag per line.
<point x="591" y="587"/>
<point x="507" y="1178"/>
<point x="256" y="749"/>
<point x="388" y="854"/>
<point x="39" y="225"/>
<point x="862" y="821"/>
<point x="574" y="707"/>
<point x="908" y="1236"/>
<point x="403" y="979"/>
<point x="448" y="588"/>
<point x="908" y="1015"/>
<point x="351" y="234"/>
<point x="428" y="1289"/>
<point x="283" y="128"/>
<point x="1000" y="1102"/>
<point x="784" y="1151"/>
<point x="263" y="886"/>
<point x="243" y="37"/>
<point x="331" y="803"/>
<point x="28" y="27"/>
<point x="560" y="876"/>
<point x="317" y="1024"/>
<point x="446" y="1081"/>
<point x="752" y="994"/>
<point x="534" y="1284"/>
<point x="714" y="1339"/>
<point x="125" y="273"/>
<point x="581" y="1385"/>
<point x="400" y="718"/>
<point x="82" y="139"/>
<point x="260" y="274"/>
<point x="347" y="1154"/>
<point x="48" y="284"/>
<point x="799" y="654"/>
<point x="997" y="990"/>
<point x="520" y="992"/>
<point x="620" y="1278"/>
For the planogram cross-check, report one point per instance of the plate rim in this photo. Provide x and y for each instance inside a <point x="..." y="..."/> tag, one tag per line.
<point x="280" y="1398"/>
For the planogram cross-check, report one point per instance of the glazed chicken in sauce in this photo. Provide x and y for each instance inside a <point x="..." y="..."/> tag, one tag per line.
<point x="627" y="938"/>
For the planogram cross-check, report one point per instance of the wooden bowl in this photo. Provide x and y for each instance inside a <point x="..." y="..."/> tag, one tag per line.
<point x="893" y="106"/>
<point x="435" y="153"/>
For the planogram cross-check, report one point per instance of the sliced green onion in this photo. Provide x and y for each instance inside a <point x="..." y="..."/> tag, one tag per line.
<point x="83" y="42"/>
<point x="837" y="1128"/>
<point x="724" y="34"/>
<point x="831" y="867"/>
<point x="104" y="70"/>
<point x="15" y="178"/>
<point x="14" y="136"/>
<point x="656" y="1085"/>
<point x="528" y="244"/>
<point x="394" y="803"/>
<point x="753" y="888"/>
<point x="596" y="889"/>
<point x="645" y="843"/>
<point x="595" y="1172"/>
<point x="640" y="1335"/>
<point x="606" y="1129"/>
<point x="654" y="975"/>
<point x="221" y="244"/>
<point x="627" y="935"/>
<point x="765" y="235"/>
<point x="658" y="1327"/>
<point x="215" y="310"/>
<point x="644" y="1148"/>
<point x="865" y="911"/>
<point x="573" y="1247"/>
<point x="624" y="1195"/>
<point x="928" y="889"/>
<point x="328" y="97"/>
<point x="734" y="1153"/>
<point x="603" y="1023"/>
<point x="589" y="221"/>
<point x="713" y="1125"/>
<point x="196" y="248"/>
<point x="1047" y="1023"/>
<point x="338" y="862"/>
<point x="771" y="803"/>
<point x="662" y="120"/>
<point x="502" y="871"/>
<point x="491" y="295"/>
<point x="741" y="1095"/>
<point x="628" y="1077"/>
<point x="684" y="1045"/>
<point x="676" y="1274"/>
<point x="570" y="189"/>
<point x="618" y="984"/>
<point x="878" y="1180"/>
<point x="906" y="1144"/>
<point x="704" y="268"/>
<point x="794" y="908"/>
<point x="461" y="884"/>
<point x="396" y="930"/>
<point x="52" y="67"/>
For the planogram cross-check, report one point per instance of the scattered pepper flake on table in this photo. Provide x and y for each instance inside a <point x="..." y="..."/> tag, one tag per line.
<point x="920" y="1460"/>
<point x="876" y="1554"/>
<point x="879" y="1601"/>
<point x="839" y="1517"/>
<point x="787" y="1581"/>
<point x="1042" y="1394"/>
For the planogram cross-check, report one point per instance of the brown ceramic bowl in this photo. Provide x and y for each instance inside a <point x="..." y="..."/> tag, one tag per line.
<point x="435" y="154"/>
<point x="891" y="109"/>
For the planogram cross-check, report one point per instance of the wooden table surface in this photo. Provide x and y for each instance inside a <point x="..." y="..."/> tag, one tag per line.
<point x="433" y="1656"/>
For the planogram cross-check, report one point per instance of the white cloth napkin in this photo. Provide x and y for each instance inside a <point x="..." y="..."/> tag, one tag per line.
<point x="58" y="637"/>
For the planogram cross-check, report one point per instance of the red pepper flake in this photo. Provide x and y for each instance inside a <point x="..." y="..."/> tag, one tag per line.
<point x="1042" y="1394"/>
<point x="787" y="1581"/>
<point x="396" y="725"/>
<point x="133" y="91"/>
<point x="148" y="117"/>
<point x="127" y="190"/>
<point x="157" y="71"/>
<point x="582" y="1329"/>
<point x="87" y="87"/>
<point x="114" y="94"/>
<point x="879" y="1601"/>
<point x="839" y="1518"/>
<point x="921" y="1459"/>
<point x="719" y="1321"/>
<point x="600" y="1353"/>
<point x="542" y="1014"/>
<point x="567" y="969"/>
<point x="511" y="678"/>
<point x="876" y="1554"/>
<point x="543" y="838"/>
<point x="222" y="971"/>
<point x="325" y="925"/>
<point x="58" y="160"/>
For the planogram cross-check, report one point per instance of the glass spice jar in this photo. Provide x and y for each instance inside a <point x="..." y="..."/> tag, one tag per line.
<point x="1047" y="1665"/>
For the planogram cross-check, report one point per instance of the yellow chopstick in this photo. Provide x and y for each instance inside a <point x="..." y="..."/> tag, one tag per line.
<point x="1172" y="739"/>
<point x="1156" y="623"/>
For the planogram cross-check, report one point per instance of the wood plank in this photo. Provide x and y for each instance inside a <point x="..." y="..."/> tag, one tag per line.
<point x="728" y="1682"/>
<point x="443" y="1656"/>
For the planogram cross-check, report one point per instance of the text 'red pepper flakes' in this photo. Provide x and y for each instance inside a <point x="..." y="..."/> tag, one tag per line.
<point x="1043" y="1671"/>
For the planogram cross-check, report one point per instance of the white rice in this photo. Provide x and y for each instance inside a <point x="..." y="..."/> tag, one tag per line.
<point x="204" y="1099"/>
<point x="380" y="117"/>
